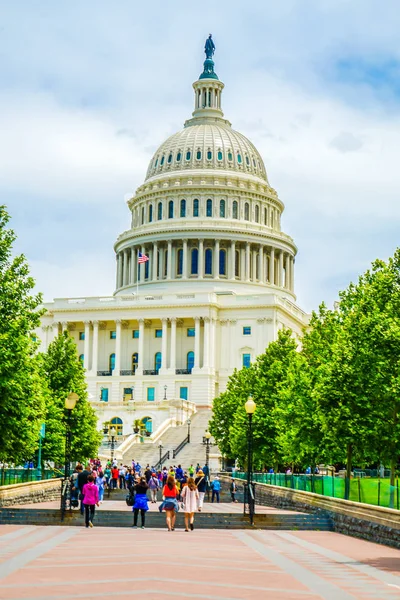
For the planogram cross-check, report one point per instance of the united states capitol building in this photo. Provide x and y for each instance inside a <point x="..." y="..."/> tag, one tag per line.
<point x="216" y="288"/>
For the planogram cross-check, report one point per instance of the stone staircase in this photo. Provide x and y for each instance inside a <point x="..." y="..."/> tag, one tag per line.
<point x="192" y="453"/>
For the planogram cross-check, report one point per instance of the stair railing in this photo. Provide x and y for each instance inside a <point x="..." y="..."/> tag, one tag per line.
<point x="181" y="446"/>
<point x="159" y="464"/>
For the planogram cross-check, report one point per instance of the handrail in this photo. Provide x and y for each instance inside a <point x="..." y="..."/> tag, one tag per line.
<point x="158" y="464"/>
<point x="180" y="447"/>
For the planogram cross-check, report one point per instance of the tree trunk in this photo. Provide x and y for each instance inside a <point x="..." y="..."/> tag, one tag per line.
<point x="348" y="470"/>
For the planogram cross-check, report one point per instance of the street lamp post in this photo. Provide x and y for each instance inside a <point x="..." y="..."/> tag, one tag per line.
<point x="70" y="403"/>
<point x="250" y="407"/>
<point x="188" y="424"/>
<point x="207" y="438"/>
<point x="160" y="448"/>
<point x="165" y="392"/>
<point x="112" y="442"/>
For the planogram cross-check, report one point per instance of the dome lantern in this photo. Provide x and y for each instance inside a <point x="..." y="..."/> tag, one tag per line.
<point x="208" y="88"/>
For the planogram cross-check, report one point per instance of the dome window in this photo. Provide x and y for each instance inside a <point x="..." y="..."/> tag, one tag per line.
<point x="247" y="212"/>
<point x="188" y="155"/>
<point x="254" y="163"/>
<point x="247" y="161"/>
<point x="209" y="208"/>
<point x="183" y="208"/>
<point x="195" y="262"/>
<point x="159" y="211"/>
<point x="257" y="213"/>
<point x="209" y="155"/>
<point x="155" y="166"/>
<point x="239" y="159"/>
<point x="222" y="262"/>
<point x="170" y="159"/>
<point x="150" y="213"/>
<point x="234" y="209"/>
<point x="178" y="157"/>
<point x="179" y="262"/>
<point x="171" y="209"/>
<point x="198" y="155"/>
<point x="208" y="261"/>
<point x="222" y="209"/>
<point x="195" y="207"/>
<point x="230" y="156"/>
<point x="162" y="160"/>
<point x="219" y="155"/>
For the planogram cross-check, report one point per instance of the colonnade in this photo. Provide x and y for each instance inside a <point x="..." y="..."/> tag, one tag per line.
<point x="236" y="261"/>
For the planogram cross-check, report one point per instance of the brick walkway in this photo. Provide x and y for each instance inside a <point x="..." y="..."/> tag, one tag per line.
<point x="52" y="563"/>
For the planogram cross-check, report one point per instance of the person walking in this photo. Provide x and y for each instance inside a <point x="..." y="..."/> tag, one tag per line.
<point x="216" y="488"/>
<point x="189" y="496"/>
<point x="141" y="505"/>
<point x="114" y="478"/>
<point x="233" y="490"/>
<point x="191" y="470"/>
<point x="121" y="476"/>
<point x="153" y="487"/>
<point x="201" y="484"/>
<point x="107" y="475"/>
<point x="170" y="504"/>
<point x="90" y="500"/>
<point x="82" y="479"/>
<point x="100" y="481"/>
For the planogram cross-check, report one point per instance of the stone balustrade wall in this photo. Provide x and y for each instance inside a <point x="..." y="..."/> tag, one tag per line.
<point x="29" y="493"/>
<point x="373" y="523"/>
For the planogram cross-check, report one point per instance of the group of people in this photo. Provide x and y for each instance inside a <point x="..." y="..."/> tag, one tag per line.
<point x="181" y="489"/>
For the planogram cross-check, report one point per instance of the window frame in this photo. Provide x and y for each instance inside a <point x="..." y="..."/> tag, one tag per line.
<point x="150" y="391"/>
<point x="246" y="330"/>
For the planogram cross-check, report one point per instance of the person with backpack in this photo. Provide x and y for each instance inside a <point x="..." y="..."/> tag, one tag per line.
<point x="189" y="496"/>
<point x="201" y="485"/>
<point x="154" y="485"/>
<point x="216" y="488"/>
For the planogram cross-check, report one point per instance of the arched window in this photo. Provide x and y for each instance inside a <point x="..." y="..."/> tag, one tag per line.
<point x="159" y="211"/>
<point x="247" y="211"/>
<point x="150" y="213"/>
<point x="157" y="361"/>
<point x="239" y="159"/>
<point x="230" y="156"/>
<point x="198" y="154"/>
<point x="116" y="423"/>
<point x="222" y="208"/>
<point x="265" y="216"/>
<point x="178" y="157"/>
<point x="171" y="209"/>
<point x="272" y="219"/>
<point x="209" y="209"/>
<point x="209" y="155"/>
<point x="156" y="163"/>
<point x="165" y="263"/>
<point x="135" y="362"/>
<point x="219" y="155"/>
<point x="190" y="361"/>
<point x="237" y="263"/>
<point x="183" y="208"/>
<point x="195" y="262"/>
<point x="257" y="213"/>
<point x="208" y="256"/>
<point x="247" y="161"/>
<point x="188" y="155"/>
<point x="179" y="262"/>
<point x="162" y="160"/>
<point x="146" y="425"/>
<point x="222" y="262"/>
<point x="170" y="159"/>
<point x="142" y="215"/>
<point x="82" y="358"/>
<point x="195" y="207"/>
<point x="234" y="210"/>
<point x="111" y="362"/>
<point x="146" y="269"/>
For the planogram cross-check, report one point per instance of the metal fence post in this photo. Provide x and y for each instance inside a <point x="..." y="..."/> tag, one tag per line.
<point x="379" y="492"/>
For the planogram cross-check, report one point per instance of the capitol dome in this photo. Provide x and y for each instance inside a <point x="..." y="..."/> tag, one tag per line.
<point x="206" y="216"/>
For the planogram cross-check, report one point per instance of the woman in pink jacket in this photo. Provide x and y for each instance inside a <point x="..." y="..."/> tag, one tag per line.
<point x="90" y="500"/>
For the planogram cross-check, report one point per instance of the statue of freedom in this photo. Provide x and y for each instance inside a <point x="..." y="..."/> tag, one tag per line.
<point x="209" y="48"/>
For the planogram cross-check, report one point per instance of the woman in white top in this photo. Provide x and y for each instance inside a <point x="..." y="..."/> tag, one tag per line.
<point x="189" y="496"/>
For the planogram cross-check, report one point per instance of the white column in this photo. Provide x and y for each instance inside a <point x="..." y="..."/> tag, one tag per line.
<point x="132" y="274"/>
<point x="261" y="263"/>
<point x="287" y="272"/>
<point x="233" y="259"/>
<point x="139" y="370"/>
<point x="254" y="265"/>
<point x="117" y="347"/>
<point x="216" y="259"/>
<point x="169" y="264"/>
<point x="247" y="261"/>
<point x="55" y="331"/>
<point x="213" y="329"/>
<point x="95" y="352"/>
<point x="64" y="326"/>
<point x="201" y="259"/>
<point x="126" y="267"/>
<point x="196" y="342"/>
<point x="162" y="262"/>
<point x="172" y="363"/>
<point x="242" y="263"/>
<point x="155" y="261"/>
<point x="185" y="259"/>
<point x="272" y="267"/>
<point x="280" y="269"/>
<point x="164" y="346"/>
<point x="86" y="346"/>
<point x="119" y="269"/>
<point x="206" y="349"/>
<point x="292" y="273"/>
<point x="232" y="349"/>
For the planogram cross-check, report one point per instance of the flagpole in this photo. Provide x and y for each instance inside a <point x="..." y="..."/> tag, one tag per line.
<point x="138" y="273"/>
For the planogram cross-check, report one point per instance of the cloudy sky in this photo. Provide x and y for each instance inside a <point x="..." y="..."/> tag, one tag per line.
<point x="90" y="89"/>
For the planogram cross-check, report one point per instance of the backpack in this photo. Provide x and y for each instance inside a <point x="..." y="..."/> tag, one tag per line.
<point x="130" y="500"/>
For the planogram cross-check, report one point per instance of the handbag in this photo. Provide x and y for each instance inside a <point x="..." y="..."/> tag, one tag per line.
<point x="130" y="500"/>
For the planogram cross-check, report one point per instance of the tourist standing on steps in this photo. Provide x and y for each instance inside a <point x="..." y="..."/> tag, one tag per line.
<point x="114" y="478"/>
<point x="153" y="487"/>
<point x="190" y="497"/>
<point x="121" y="474"/>
<point x="170" y="503"/>
<point x="216" y="488"/>
<point x="90" y="500"/>
<point x="191" y="471"/>
<point x="201" y="484"/>
<point x="233" y="490"/>
<point x="82" y="480"/>
<point x="100" y="480"/>
<point x="141" y="505"/>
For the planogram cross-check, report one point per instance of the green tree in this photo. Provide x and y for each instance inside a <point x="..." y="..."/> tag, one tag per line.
<point x="64" y="374"/>
<point x="21" y="397"/>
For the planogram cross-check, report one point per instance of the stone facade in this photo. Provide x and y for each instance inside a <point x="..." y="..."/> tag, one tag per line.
<point x="29" y="493"/>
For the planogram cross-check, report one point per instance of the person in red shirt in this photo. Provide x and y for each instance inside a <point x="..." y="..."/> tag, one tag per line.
<point x="114" y="477"/>
<point x="170" y="504"/>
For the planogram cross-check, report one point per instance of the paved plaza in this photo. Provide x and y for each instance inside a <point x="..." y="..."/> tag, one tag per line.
<point x="69" y="562"/>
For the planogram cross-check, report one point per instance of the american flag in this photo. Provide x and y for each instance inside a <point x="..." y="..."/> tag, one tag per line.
<point x="142" y="258"/>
